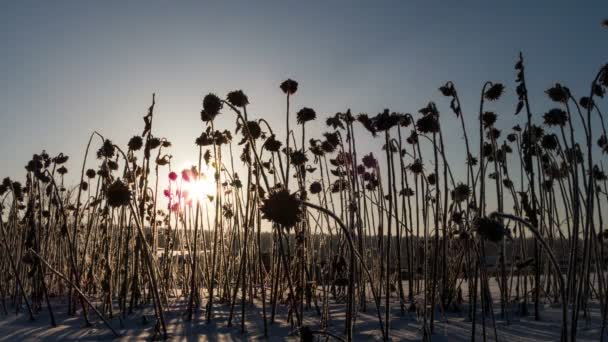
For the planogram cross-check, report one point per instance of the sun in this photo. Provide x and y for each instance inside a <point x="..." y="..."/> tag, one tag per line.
<point x="200" y="189"/>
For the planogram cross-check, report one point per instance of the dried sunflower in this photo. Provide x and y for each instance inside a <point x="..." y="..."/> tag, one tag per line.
<point x="555" y="117"/>
<point x="494" y="92"/>
<point x="289" y="86"/>
<point x="135" y="143"/>
<point x="282" y="208"/>
<point x="118" y="194"/>
<point x="489" y="229"/>
<point x="211" y="107"/>
<point x="305" y="114"/>
<point x="315" y="188"/>
<point x="237" y="98"/>
<point x="558" y="93"/>
<point x="461" y="192"/>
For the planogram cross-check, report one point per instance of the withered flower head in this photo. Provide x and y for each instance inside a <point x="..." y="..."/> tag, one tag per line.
<point x="289" y="86"/>
<point x="205" y="139"/>
<point x="107" y="150"/>
<point x="298" y="158"/>
<point x="413" y="138"/>
<point x="332" y="138"/>
<point x="416" y="166"/>
<point x="237" y="98"/>
<point x="428" y="124"/>
<point x="90" y="173"/>
<point x="555" y="117"/>
<point x="315" y="188"/>
<point x="62" y="170"/>
<point x="282" y="208"/>
<point x="118" y="194"/>
<point x="60" y="159"/>
<point x="272" y="144"/>
<point x="447" y="89"/>
<point x="558" y="93"/>
<point x="585" y="102"/>
<point x="461" y="192"/>
<point x="549" y="142"/>
<point x="335" y="121"/>
<point x="211" y="107"/>
<point x="603" y="143"/>
<point x="306" y="114"/>
<point x="385" y="121"/>
<point x="17" y="190"/>
<point x="488" y="118"/>
<point x="327" y="147"/>
<point x="407" y="192"/>
<point x="112" y="165"/>
<point x="135" y="143"/>
<point x="489" y="229"/>
<point x="370" y="161"/>
<point x="250" y="130"/>
<point x="494" y="92"/>
<point x="405" y="120"/>
<point x="598" y="174"/>
<point x="153" y="143"/>
<point x="432" y="179"/>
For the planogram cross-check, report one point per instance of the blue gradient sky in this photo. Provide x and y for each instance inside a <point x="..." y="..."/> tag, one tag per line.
<point x="68" y="68"/>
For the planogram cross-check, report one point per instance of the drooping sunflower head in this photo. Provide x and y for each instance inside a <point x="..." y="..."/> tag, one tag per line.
<point x="282" y="208"/>
<point x="118" y="194"/>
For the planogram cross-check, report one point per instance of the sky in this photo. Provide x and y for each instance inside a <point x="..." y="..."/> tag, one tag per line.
<point x="68" y="68"/>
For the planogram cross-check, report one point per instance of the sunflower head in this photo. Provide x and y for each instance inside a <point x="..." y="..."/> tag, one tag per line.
<point x="558" y="93"/>
<point x="461" y="192"/>
<point x="369" y="161"/>
<point x="549" y="142"/>
<point x="289" y="86"/>
<point x="306" y="114"/>
<point x="272" y="144"/>
<point x="211" y="107"/>
<point x="282" y="208"/>
<point x="237" y="98"/>
<point x="488" y="118"/>
<point x="106" y="150"/>
<point x="494" y="92"/>
<point x="135" y="143"/>
<point x="555" y="117"/>
<point x="490" y="229"/>
<point x="90" y="173"/>
<point x="428" y="124"/>
<point x="298" y="158"/>
<point x="315" y="188"/>
<point x="118" y="194"/>
<point x="416" y="166"/>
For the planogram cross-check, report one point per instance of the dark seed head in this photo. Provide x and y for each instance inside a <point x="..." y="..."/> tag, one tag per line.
<point x="211" y="107"/>
<point x="118" y="194"/>
<point x="282" y="208"/>
<point x="306" y="114"/>
<point x="237" y="98"/>
<point x="494" y="92"/>
<point x="489" y="229"/>
<point x="289" y="86"/>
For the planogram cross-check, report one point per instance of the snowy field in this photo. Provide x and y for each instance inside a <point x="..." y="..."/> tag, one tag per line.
<point x="449" y="326"/>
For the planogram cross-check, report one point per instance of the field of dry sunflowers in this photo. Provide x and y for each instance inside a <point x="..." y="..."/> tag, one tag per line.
<point x="304" y="232"/>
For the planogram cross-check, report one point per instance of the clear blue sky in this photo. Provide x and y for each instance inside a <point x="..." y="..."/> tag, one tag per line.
<point x="68" y="68"/>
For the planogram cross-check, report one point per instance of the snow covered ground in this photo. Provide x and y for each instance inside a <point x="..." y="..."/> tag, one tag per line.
<point x="450" y="326"/>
